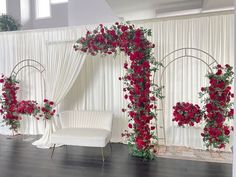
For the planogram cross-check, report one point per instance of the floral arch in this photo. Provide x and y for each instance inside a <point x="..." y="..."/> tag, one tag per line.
<point x="11" y="107"/>
<point x="217" y="111"/>
<point x="181" y="54"/>
<point x="139" y="90"/>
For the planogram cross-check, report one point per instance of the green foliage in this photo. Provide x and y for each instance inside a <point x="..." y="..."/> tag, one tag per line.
<point x="8" y="23"/>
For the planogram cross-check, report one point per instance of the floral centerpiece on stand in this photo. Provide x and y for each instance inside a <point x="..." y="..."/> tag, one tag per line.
<point x="47" y="110"/>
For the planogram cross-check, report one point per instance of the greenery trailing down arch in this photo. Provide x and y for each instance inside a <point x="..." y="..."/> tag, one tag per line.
<point x="139" y="90"/>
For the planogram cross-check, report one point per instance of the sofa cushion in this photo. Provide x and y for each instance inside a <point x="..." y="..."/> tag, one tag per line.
<point x="90" y="137"/>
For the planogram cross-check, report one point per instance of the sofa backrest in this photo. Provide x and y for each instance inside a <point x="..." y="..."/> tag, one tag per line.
<point x="86" y="119"/>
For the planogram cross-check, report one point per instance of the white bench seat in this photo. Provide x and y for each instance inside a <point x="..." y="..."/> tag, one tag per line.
<point x="91" y="137"/>
<point x="84" y="128"/>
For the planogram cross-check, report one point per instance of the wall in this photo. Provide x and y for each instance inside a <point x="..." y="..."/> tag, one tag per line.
<point x="73" y="13"/>
<point x="89" y="12"/>
<point x="59" y="17"/>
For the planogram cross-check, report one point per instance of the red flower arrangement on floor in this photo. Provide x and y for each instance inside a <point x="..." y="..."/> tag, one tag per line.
<point x="140" y="92"/>
<point x="187" y="114"/>
<point x="9" y="102"/>
<point x="218" y="107"/>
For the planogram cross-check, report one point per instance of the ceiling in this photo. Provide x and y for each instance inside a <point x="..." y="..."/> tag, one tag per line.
<point x="141" y="9"/>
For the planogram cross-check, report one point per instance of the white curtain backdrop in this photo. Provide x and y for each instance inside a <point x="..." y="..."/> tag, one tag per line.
<point x="97" y="86"/>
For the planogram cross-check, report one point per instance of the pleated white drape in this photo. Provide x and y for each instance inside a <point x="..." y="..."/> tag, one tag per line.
<point x="97" y="86"/>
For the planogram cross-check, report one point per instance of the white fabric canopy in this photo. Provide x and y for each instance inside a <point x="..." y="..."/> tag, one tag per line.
<point x="97" y="86"/>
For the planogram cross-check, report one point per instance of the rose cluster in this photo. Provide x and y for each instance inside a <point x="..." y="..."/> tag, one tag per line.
<point x="47" y="110"/>
<point x="9" y="102"/>
<point x="187" y="114"/>
<point x="218" y="107"/>
<point x="28" y="107"/>
<point x="139" y="90"/>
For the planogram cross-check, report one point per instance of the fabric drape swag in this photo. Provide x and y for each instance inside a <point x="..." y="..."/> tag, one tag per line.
<point x="62" y="69"/>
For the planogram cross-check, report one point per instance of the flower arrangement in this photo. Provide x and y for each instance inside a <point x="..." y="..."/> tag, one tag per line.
<point x="28" y="107"/>
<point x="11" y="109"/>
<point x="139" y="90"/>
<point x="187" y="114"/>
<point x="47" y="110"/>
<point x="9" y="102"/>
<point x="218" y="107"/>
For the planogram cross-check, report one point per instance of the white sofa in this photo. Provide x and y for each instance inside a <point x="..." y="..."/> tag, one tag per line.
<point x="84" y="128"/>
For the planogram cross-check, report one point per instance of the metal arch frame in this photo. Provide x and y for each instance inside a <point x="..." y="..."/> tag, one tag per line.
<point x="41" y="69"/>
<point x="27" y="65"/>
<point x="185" y="55"/>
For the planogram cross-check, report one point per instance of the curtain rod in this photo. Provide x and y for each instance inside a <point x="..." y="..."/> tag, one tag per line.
<point x="227" y="12"/>
<point x="59" y="42"/>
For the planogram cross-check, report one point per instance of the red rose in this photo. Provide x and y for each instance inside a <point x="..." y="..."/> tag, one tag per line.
<point x="51" y="103"/>
<point x="203" y="89"/>
<point x="222" y="146"/>
<point x="126" y="65"/>
<point x="1" y="80"/>
<point x="227" y="132"/>
<point x="124" y="28"/>
<point x="219" y="72"/>
<point x="130" y="125"/>
<point x="152" y="98"/>
<point x="153" y="127"/>
<point x="45" y="100"/>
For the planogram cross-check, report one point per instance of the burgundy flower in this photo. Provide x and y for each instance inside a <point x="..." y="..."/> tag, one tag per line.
<point x="51" y="103"/>
<point x="219" y="72"/>
<point x="153" y="127"/>
<point x="130" y="125"/>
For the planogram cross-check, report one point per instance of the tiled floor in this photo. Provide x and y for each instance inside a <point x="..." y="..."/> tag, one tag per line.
<point x="177" y="152"/>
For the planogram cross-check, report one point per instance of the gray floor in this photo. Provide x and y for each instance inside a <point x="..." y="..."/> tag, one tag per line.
<point x="20" y="159"/>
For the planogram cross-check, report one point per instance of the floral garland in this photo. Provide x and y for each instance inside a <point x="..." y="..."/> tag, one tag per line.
<point x="187" y="114"/>
<point x="140" y="92"/>
<point x="9" y="102"/>
<point x="218" y="107"/>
